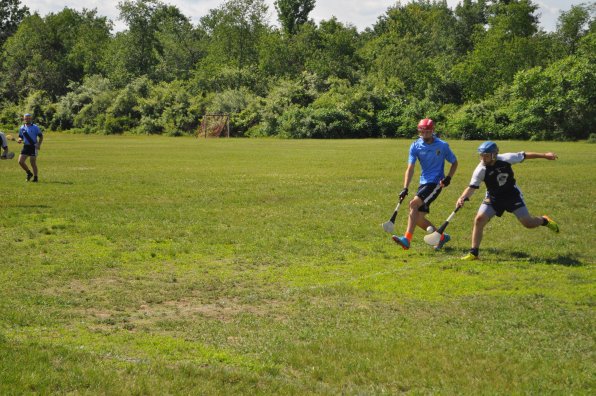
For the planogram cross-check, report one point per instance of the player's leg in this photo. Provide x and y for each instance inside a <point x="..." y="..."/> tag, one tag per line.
<point x="413" y="216"/>
<point x="529" y="221"/>
<point x="23" y="163"/>
<point x="526" y="219"/>
<point x="423" y="222"/>
<point x="485" y="213"/>
<point x="33" y="160"/>
<point x="418" y="208"/>
<point x="428" y="195"/>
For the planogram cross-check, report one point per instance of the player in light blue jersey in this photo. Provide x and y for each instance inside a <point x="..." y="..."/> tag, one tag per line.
<point x="31" y="137"/>
<point x="432" y="153"/>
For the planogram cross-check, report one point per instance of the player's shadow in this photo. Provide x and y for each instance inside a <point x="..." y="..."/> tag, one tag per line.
<point x="33" y="206"/>
<point x="58" y="182"/>
<point x="565" y="260"/>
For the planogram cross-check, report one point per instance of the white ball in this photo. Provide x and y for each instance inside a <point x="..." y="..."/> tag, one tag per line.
<point x="430" y="229"/>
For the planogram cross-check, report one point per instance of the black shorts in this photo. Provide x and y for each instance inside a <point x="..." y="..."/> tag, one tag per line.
<point x="428" y="193"/>
<point x="509" y="203"/>
<point x="29" y="149"/>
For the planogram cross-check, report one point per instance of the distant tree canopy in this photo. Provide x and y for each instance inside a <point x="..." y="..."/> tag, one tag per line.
<point x="293" y="13"/>
<point x="11" y="15"/>
<point x="482" y="69"/>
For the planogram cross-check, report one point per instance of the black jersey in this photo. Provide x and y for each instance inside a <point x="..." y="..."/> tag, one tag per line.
<point x="499" y="177"/>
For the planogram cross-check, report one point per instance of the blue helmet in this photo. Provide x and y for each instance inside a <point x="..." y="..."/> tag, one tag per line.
<point x="488" y="148"/>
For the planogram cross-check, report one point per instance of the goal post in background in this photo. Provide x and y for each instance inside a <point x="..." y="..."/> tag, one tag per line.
<point x="215" y="125"/>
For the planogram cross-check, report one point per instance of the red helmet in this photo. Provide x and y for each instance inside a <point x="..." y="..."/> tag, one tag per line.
<point x="426" y="125"/>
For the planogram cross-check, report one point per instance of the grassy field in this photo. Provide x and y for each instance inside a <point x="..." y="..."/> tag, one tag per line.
<point x="150" y="266"/>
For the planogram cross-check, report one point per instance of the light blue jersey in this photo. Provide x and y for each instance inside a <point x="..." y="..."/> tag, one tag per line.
<point x="29" y="134"/>
<point x="432" y="159"/>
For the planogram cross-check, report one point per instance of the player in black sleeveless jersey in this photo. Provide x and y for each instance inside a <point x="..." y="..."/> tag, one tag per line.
<point x="502" y="193"/>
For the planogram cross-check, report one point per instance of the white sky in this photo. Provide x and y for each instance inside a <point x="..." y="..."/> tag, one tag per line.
<point x="360" y="13"/>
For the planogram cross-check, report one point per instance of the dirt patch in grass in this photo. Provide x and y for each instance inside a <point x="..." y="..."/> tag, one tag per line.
<point x="223" y="309"/>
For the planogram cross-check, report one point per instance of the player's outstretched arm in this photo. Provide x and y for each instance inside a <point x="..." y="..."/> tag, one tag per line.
<point x="549" y="156"/>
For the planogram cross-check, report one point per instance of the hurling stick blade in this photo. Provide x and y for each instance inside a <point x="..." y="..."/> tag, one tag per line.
<point x="388" y="226"/>
<point x="433" y="239"/>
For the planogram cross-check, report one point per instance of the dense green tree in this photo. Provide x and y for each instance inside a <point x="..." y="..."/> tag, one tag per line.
<point x="141" y="45"/>
<point x="574" y="24"/>
<point x="89" y="38"/>
<point x="234" y="31"/>
<point x="293" y="13"/>
<point x="514" y="17"/>
<point x="181" y="45"/>
<point x="414" y="43"/>
<point x="47" y="53"/>
<point x="471" y="17"/>
<point x="278" y="56"/>
<point x="29" y="60"/>
<point x="329" y="50"/>
<point x="11" y="14"/>
<point x="556" y="102"/>
<point x="507" y="47"/>
<point x="484" y="69"/>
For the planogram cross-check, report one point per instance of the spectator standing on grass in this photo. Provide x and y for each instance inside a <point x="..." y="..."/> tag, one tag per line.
<point x="502" y="192"/>
<point x="432" y="153"/>
<point x="31" y="137"/>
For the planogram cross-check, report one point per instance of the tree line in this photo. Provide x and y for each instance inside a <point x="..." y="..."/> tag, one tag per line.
<point x="483" y="69"/>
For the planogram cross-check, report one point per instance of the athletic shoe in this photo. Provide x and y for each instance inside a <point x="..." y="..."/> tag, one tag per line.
<point x="34" y="179"/>
<point x="442" y="243"/>
<point x="551" y="224"/>
<point x="402" y="241"/>
<point x="29" y="176"/>
<point x="470" y="257"/>
<point x="3" y="156"/>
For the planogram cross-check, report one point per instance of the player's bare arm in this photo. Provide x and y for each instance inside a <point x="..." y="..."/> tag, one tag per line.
<point x="408" y="175"/>
<point x="447" y="180"/>
<point x="549" y="156"/>
<point x="466" y="195"/>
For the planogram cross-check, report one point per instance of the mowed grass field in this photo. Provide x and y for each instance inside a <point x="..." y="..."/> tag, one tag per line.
<point x="153" y="265"/>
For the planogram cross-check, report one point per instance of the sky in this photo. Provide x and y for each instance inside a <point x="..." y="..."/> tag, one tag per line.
<point x="360" y="13"/>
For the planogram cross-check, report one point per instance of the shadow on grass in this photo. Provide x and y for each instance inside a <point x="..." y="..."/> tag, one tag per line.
<point x="33" y="206"/>
<point x="565" y="260"/>
<point x="58" y="182"/>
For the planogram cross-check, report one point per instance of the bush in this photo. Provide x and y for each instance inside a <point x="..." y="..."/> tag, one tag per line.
<point x="474" y="121"/>
<point x="84" y="106"/>
<point x="116" y="125"/>
<point x="150" y="126"/>
<point x="556" y="103"/>
<point x="309" y="122"/>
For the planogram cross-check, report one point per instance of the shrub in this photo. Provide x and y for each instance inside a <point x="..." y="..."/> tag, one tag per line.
<point x="115" y="125"/>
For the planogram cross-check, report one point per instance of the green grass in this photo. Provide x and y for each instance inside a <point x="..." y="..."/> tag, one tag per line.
<point x="149" y="265"/>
